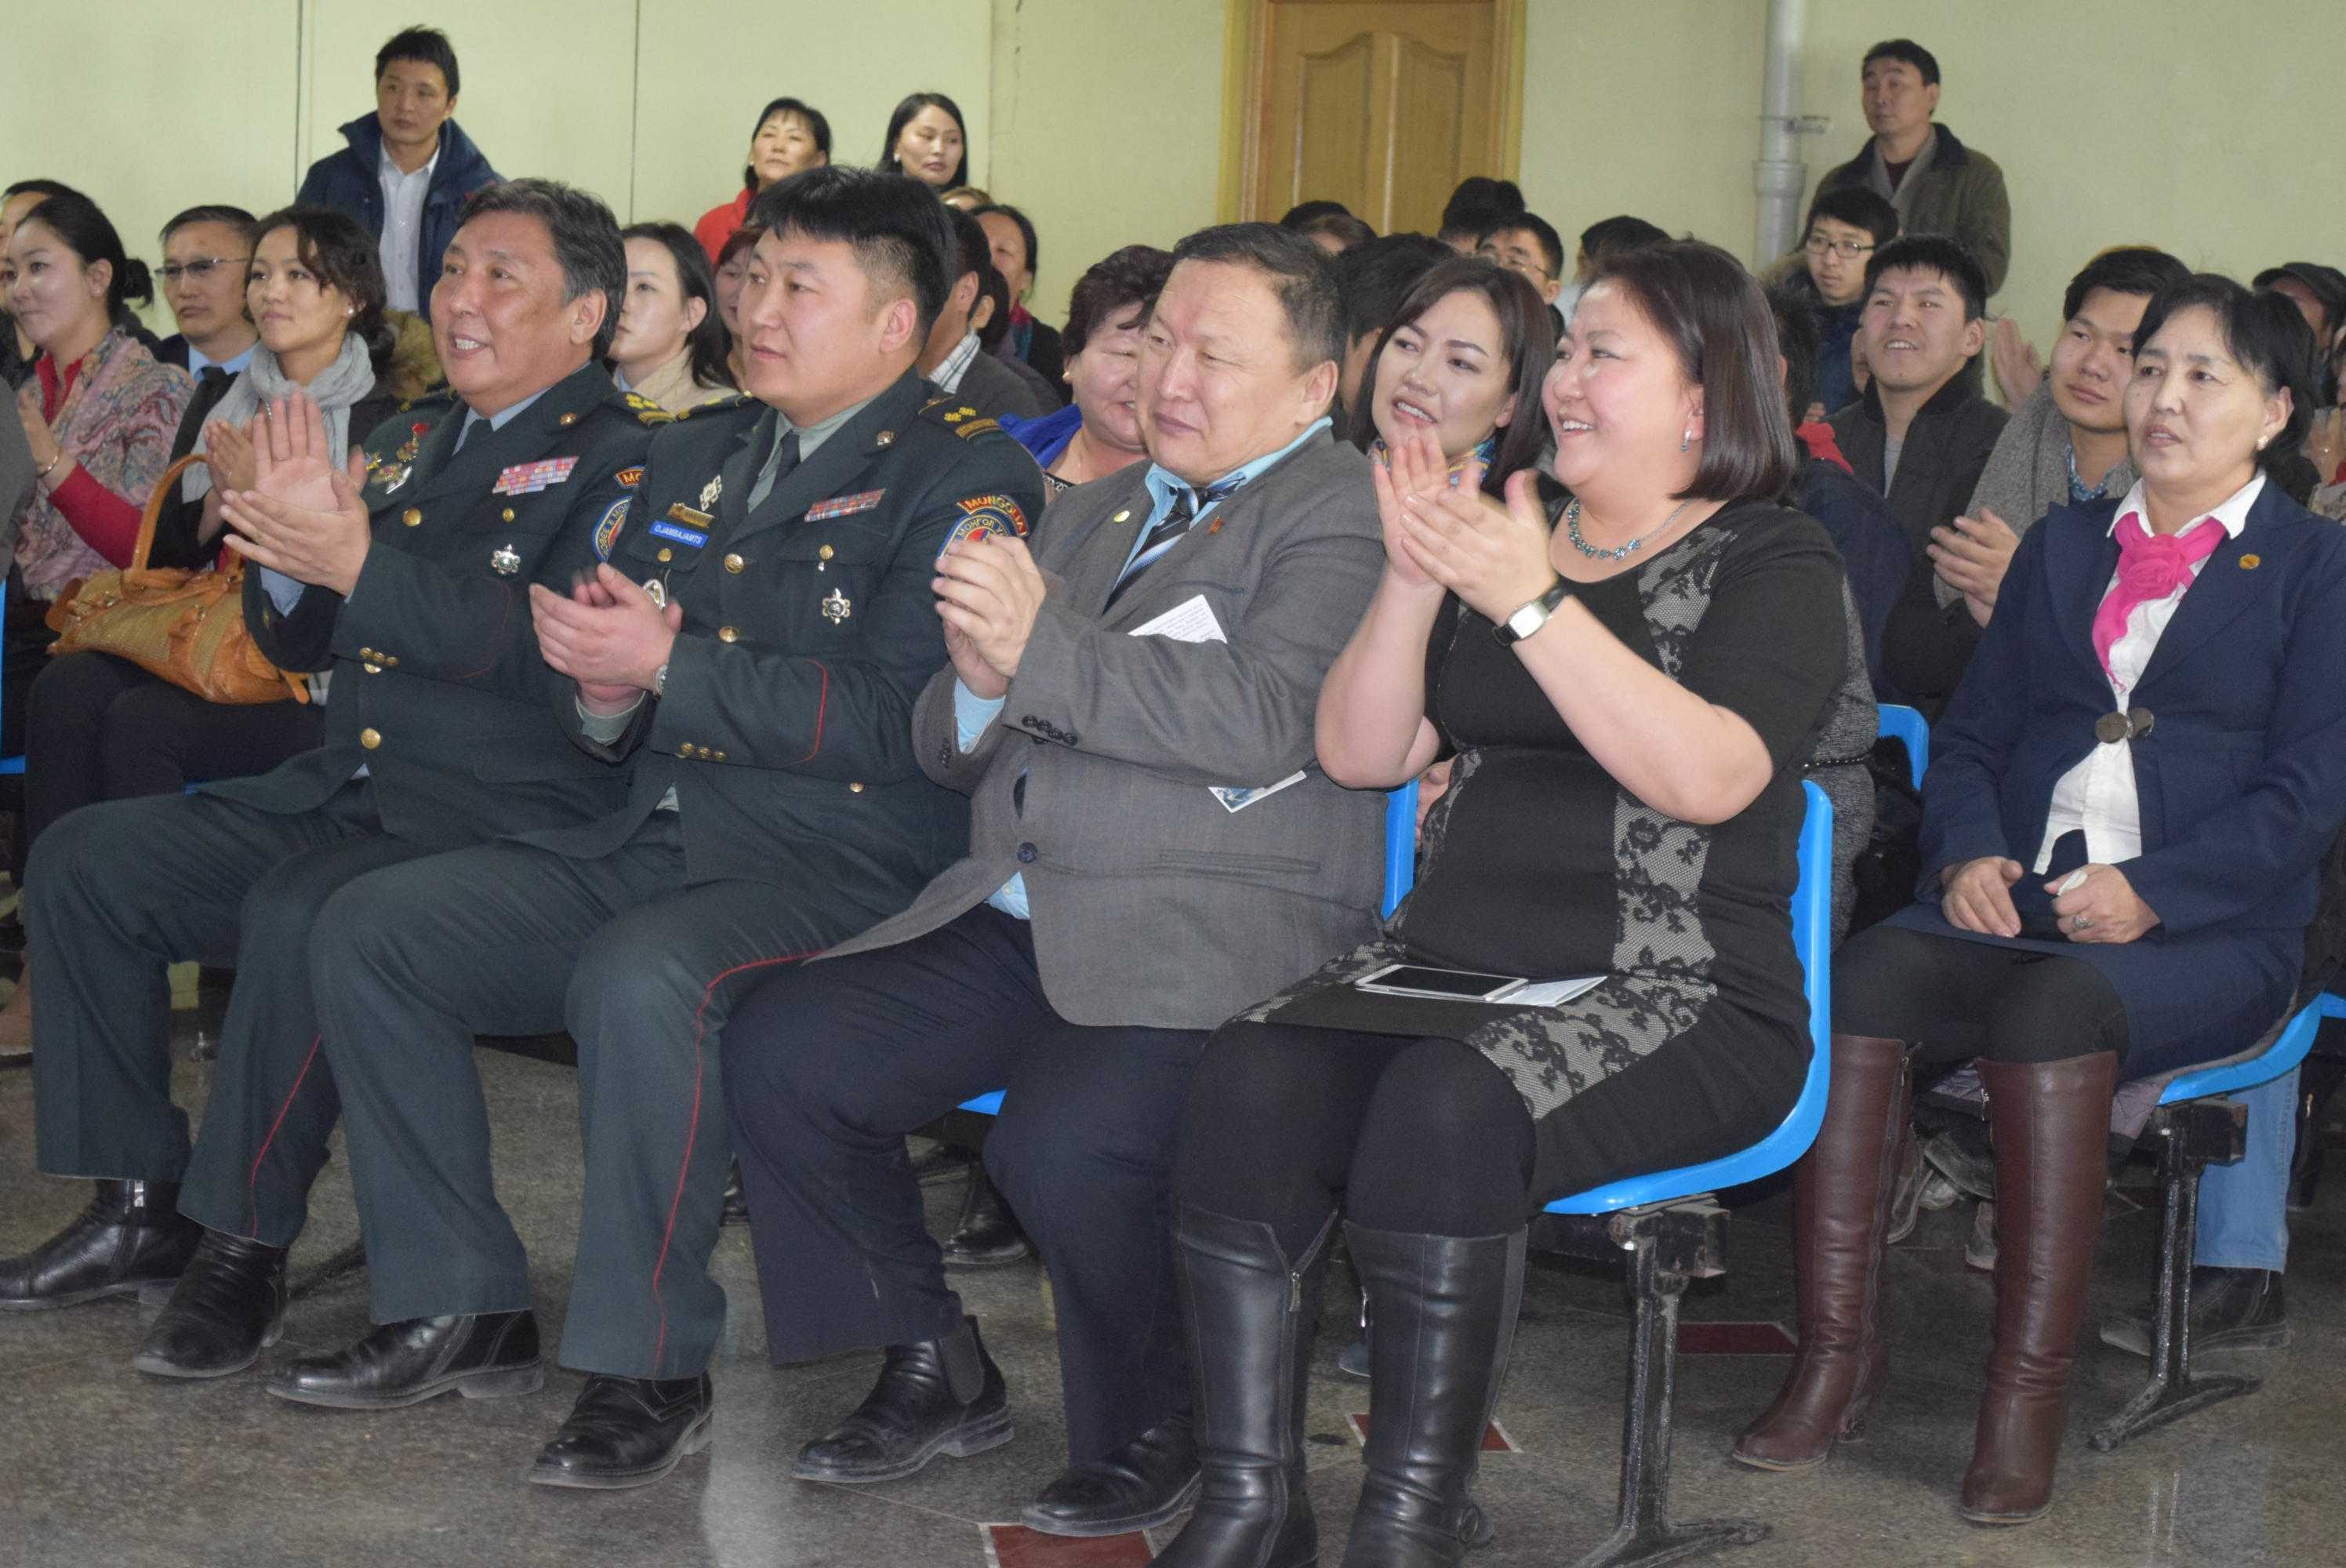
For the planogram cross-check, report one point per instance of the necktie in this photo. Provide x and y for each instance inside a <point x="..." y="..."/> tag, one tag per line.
<point x="777" y="466"/>
<point x="1187" y="504"/>
<point x="2150" y="567"/>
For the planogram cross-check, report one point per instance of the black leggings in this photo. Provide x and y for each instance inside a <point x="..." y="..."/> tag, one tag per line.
<point x="1956" y="1000"/>
<point x="1287" y="1123"/>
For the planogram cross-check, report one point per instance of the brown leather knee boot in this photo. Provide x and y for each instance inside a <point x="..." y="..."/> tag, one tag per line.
<point x="2051" y="1125"/>
<point x="1841" y="1216"/>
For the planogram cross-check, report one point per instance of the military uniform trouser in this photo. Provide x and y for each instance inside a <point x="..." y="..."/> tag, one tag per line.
<point x="413" y="962"/>
<point x="118" y="892"/>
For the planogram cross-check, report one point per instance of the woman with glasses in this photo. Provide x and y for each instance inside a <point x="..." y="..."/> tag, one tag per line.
<point x="1845" y="227"/>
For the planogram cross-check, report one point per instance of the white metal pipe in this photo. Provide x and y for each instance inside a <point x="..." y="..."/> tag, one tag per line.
<point x="1779" y="177"/>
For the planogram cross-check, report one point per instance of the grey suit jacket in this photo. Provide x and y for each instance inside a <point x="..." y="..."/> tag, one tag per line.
<point x="1152" y="904"/>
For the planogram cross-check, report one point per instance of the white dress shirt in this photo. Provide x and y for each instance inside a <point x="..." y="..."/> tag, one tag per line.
<point x="2098" y="796"/>
<point x="403" y="230"/>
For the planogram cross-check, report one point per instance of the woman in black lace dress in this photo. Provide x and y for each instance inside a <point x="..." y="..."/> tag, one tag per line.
<point x="1629" y="697"/>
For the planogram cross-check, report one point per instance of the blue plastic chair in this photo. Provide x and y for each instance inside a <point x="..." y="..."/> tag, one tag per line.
<point x="1674" y="1230"/>
<point x="1910" y="729"/>
<point x="1401" y="869"/>
<point x="2197" y="1128"/>
<point x="13" y="763"/>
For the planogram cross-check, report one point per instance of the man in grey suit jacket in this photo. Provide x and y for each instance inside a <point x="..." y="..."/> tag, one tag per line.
<point x="1152" y="848"/>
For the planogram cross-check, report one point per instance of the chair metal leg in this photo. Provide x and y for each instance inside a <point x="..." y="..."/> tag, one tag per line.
<point x="1646" y="1534"/>
<point x="2197" y="1134"/>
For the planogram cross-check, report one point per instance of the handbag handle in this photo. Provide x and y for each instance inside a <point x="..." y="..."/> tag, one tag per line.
<point x="156" y="499"/>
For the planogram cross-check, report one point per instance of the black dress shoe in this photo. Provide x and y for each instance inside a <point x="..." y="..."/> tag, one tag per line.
<point x="737" y="1199"/>
<point x="228" y="1308"/>
<point x="2231" y="1309"/>
<point x="941" y="1396"/>
<point x="483" y="1355"/>
<point x="627" y="1432"/>
<point x="1140" y="1486"/>
<point x="988" y="1235"/>
<point x="132" y="1240"/>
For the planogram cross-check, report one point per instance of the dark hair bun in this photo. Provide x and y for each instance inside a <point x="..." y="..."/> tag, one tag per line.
<point x="138" y="284"/>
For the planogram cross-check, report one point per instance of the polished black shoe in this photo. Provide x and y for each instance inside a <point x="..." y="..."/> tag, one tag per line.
<point x="941" y="1396"/>
<point x="1140" y="1486"/>
<point x="627" y="1432"/>
<point x="228" y="1308"/>
<point x="988" y="1235"/>
<point x="132" y="1240"/>
<point x="2231" y="1309"/>
<point x="737" y="1199"/>
<point x="481" y="1357"/>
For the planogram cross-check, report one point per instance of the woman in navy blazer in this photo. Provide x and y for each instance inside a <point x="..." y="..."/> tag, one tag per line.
<point x="2128" y="801"/>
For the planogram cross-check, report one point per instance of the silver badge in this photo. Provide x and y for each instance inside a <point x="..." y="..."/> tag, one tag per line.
<point x="711" y="491"/>
<point x="390" y="476"/>
<point x="657" y="590"/>
<point x="836" y="608"/>
<point x="506" y="561"/>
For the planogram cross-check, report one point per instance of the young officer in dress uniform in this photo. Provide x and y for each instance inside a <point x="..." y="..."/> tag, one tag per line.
<point x="409" y="581"/>
<point x="753" y="645"/>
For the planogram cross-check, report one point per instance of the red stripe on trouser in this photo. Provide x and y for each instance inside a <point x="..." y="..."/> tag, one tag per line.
<point x="252" y="1178"/>
<point x="692" y="1134"/>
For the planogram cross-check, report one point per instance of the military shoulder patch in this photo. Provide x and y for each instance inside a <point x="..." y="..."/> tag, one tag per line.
<point x="976" y="427"/>
<point x="607" y="528"/>
<point x="983" y="515"/>
<point x="629" y="478"/>
<point x="647" y="412"/>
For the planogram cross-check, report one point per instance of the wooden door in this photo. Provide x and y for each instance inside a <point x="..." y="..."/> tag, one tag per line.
<point x="1382" y="105"/>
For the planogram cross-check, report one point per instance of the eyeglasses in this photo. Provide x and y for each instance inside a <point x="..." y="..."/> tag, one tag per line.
<point x="1847" y="250"/>
<point x="200" y="268"/>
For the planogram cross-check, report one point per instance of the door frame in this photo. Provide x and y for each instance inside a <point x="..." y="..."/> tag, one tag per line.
<point x="1245" y="36"/>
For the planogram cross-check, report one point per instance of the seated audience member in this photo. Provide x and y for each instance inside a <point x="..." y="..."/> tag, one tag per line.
<point x="790" y="137"/>
<point x="1530" y="245"/>
<point x="1920" y="437"/>
<point x="1010" y="239"/>
<point x="671" y="348"/>
<point x="1372" y="281"/>
<point x="1102" y="767"/>
<point x="99" y="728"/>
<point x="1668" y="652"/>
<point x="1334" y="232"/>
<point x="991" y="322"/>
<point x="1846" y="227"/>
<point x="1875" y="553"/>
<point x="16" y="352"/>
<point x="2066" y="445"/>
<point x="732" y="268"/>
<point x="1099" y="431"/>
<point x="2105" y="900"/>
<point x="759" y="702"/>
<point x="1605" y="236"/>
<point x="968" y="197"/>
<point x="2319" y="294"/>
<point x="98" y="416"/>
<point x="952" y="357"/>
<point x="408" y="168"/>
<point x="1479" y="205"/>
<point x="1466" y="351"/>
<point x="402" y="576"/>
<point x="206" y="252"/>
<point x="926" y="140"/>
<point x="1938" y="184"/>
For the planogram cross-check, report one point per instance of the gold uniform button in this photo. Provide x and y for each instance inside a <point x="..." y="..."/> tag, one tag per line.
<point x="718" y="758"/>
<point x="824" y="553"/>
<point x="370" y="738"/>
<point x="508" y="513"/>
<point x="566" y="421"/>
<point x="366" y="653"/>
<point x="371" y="668"/>
<point x="855" y="789"/>
<point x="727" y="635"/>
<point x="391" y="660"/>
<point x="734" y="563"/>
<point x="412" y="516"/>
<point x="666" y="554"/>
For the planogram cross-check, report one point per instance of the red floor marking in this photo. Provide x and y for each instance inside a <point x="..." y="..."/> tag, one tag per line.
<point x="1495" y="1436"/>
<point x="1016" y="1546"/>
<point x="1735" y="1340"/>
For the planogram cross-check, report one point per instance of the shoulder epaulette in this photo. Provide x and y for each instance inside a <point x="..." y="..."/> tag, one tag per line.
<point x="647" y="412"/>
<point x="714" y="405"/>
<point x="958" y="417"/>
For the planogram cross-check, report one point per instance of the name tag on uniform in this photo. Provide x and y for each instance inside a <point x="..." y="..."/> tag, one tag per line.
<point x="528" y="478"/>
<point x="684" y="525"/>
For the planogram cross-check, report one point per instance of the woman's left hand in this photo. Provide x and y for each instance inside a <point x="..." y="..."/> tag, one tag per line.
<point x="37" y="435"/>
<point x="1494" y="557"/>
<point x="2103" y="907"/>
<point x="227" y="449"/>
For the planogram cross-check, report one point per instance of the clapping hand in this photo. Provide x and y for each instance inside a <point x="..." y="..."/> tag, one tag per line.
<point x="1971" y="556"/>
<point x="37" y="435"/>
<point x="302" y="514"/>
<point x="228" y="453"/>
<point x="989" y="592"/>
<point x="2019" y="369"/>
<point x="1493" y="557"/>
<point x="607" y="634"/>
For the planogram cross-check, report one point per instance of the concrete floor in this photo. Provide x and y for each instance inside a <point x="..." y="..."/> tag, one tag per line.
<point x="101" y="1465"/>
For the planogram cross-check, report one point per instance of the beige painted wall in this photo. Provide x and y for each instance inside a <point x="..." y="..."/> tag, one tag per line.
<point x="1102" y="117"/>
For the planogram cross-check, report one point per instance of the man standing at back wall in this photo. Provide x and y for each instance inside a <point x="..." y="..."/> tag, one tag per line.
<point x="1938" y="184"/>
<point x="408" y="167"/>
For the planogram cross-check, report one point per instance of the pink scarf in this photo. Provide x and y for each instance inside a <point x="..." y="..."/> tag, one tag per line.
<point x="2150" y="567"/>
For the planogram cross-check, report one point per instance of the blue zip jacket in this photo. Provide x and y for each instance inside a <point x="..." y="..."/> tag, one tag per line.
<point x="347" y="181"/>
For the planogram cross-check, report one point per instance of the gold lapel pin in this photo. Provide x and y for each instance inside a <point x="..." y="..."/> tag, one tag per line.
<point x="2251" y="563"/>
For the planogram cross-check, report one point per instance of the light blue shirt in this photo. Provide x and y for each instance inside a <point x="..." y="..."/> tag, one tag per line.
<point x="972" y="713"/>
<point x="199" y="361"/>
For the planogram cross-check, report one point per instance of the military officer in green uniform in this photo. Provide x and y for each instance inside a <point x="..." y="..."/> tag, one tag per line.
<point x="751" y="648"/>
<point x="407" y="577"/>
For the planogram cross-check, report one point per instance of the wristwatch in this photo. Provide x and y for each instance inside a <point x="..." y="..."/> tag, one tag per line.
<point x="1531" y="616"/>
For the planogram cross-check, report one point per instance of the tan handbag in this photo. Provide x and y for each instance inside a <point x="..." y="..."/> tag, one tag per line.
<point x="184" y="625"/>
